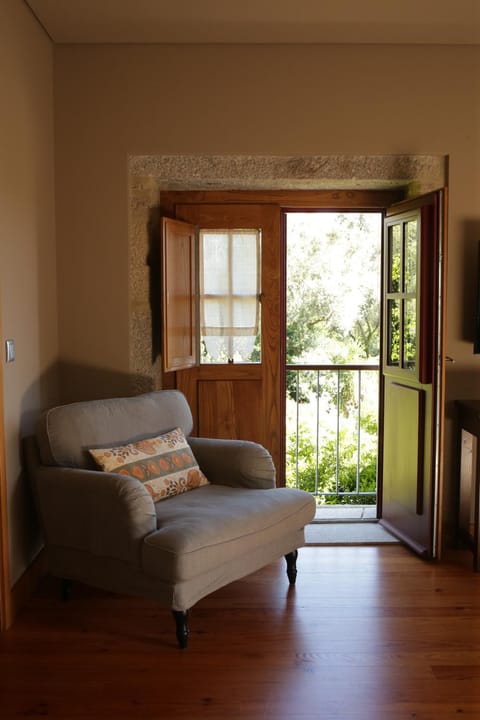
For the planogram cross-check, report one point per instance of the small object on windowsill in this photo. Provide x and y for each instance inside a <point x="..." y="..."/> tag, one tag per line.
<point x="230" y="361"/>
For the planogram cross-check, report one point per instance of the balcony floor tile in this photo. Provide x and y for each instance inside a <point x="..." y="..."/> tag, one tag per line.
<point x="336" y="513"/>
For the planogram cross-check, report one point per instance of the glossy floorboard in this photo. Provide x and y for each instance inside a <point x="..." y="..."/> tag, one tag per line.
<point x="368" y="633"/>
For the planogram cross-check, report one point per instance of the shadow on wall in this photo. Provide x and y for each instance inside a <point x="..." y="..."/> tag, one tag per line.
<point x="42" y="393"/>
<point x="25" y="535"/>
<point x="87" y="382"/>
<point x="24" y="532"/>
<point x="65" y="382"/>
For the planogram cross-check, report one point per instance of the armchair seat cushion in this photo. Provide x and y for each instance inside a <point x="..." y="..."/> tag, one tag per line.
<point x="215" y="524"/>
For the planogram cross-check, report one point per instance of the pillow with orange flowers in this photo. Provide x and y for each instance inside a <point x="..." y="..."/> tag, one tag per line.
<point x="165" y="464"/>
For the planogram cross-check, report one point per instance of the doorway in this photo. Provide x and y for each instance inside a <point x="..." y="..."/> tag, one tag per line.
<point x="333" y="347"/>
<point x="414" y="491"/>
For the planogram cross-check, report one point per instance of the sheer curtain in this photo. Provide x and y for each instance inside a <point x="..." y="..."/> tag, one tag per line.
<point x="229" y="294"/>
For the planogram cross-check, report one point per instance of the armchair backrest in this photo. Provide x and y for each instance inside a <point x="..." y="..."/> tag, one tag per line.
<point x="66" y="432"/>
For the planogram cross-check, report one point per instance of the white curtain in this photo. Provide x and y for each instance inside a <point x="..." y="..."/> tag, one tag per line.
<point x="229" y="293"/>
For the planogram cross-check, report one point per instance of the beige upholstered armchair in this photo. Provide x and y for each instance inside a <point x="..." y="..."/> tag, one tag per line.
<point x="129" y="502"/>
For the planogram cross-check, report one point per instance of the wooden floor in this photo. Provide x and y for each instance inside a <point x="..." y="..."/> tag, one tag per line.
<point x="368" y="633"/>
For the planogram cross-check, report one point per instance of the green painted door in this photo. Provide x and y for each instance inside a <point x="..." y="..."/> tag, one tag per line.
<point x="412" y="372"/>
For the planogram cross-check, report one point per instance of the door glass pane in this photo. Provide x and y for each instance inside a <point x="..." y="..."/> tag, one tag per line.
<point x="393" y="332"/>
<point x="410" y="261"/>
<point x="394" y="259"/>
<point x="410" y="334"/>
<point x="230" y="295"/>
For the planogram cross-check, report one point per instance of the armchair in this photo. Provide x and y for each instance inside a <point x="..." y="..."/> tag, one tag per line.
<point x="109" y="529"/>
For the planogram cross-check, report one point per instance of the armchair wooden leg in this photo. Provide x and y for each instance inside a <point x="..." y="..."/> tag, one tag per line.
<point x="181" y="623"/>
<point x="291" y="559"/>
<point x="66" y="589"/>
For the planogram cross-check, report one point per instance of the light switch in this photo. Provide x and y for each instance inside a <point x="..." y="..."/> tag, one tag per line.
<point x="9" y="350"/>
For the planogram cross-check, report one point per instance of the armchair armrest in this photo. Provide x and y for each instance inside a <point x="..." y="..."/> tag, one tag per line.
<point x="237" y="463"/>
<point x="103" y="513"/>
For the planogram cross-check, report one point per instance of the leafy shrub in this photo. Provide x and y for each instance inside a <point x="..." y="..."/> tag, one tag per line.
<point x="317" y="474"/>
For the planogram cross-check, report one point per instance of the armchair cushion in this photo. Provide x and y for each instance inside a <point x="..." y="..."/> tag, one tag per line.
<point x="216" y="525"/>
<point x="165" y="464"/>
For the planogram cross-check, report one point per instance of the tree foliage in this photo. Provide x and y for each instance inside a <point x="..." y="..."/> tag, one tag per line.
<point x="332" y="287"/>
<point x="318" y="474"/>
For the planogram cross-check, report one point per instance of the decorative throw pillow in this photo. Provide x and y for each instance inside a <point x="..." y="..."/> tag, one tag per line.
<point x="164" y="464"/>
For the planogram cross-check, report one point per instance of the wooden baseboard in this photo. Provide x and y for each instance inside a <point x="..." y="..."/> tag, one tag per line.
<point x="28" y="583"/>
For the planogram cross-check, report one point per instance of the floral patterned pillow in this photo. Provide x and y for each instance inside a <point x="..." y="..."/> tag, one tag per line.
<point x="164" y="464"/>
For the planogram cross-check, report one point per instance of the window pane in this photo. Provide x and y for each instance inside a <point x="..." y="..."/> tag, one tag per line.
<point x="411" y="256"/>
<point x="393" y="332"/>
<point x="410" y="334"/>
<point x="394" y="260"/>
<point x="229" y="295"/>
<point x="214" y="266"/>
<point x="245" y="263"/>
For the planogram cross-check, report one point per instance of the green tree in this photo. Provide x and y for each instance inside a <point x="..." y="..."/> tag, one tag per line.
<point x="332" y="288"/>
<point x="366" y="327"/>
<point x="319" y="474"/>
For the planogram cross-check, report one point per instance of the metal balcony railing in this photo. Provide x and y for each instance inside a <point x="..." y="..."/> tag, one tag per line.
<point x="332" y="431"/>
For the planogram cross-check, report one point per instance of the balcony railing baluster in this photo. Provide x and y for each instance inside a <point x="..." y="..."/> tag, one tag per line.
<point x="359" y="428"/>
<point x="316" y="385"/>
<point x="337" y="454"/>
<point x="317" y="444"/>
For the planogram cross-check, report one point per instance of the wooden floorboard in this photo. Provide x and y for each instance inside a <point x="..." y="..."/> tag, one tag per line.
<point x="368" y="633"/>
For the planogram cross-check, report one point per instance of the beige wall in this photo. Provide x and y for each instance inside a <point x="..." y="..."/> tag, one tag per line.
<point x="27" y="253"/>
<point x="116" y="101"/>
<point x="112" y="101"/>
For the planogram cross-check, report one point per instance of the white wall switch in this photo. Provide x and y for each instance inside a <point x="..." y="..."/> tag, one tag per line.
<point x="9" y="350"/>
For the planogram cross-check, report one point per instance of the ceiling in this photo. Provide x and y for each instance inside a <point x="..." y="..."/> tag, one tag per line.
<point x="260" y="21"/>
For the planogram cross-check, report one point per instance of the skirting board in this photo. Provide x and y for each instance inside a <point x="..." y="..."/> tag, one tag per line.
<point x="28" y="583"/>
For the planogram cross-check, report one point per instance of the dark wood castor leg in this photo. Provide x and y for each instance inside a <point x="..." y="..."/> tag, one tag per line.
<point x="291" y="559"/>
<point x="66" y="589"/>
<point x="181" y="622"/>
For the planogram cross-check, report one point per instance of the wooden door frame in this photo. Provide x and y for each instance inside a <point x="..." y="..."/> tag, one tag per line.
<point x="295" y="200"/>
<point x="5" y="589"/>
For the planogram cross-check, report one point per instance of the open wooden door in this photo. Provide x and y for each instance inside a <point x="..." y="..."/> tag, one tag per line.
<point x="412" y="372"/>
<point x="230" y="399"/>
